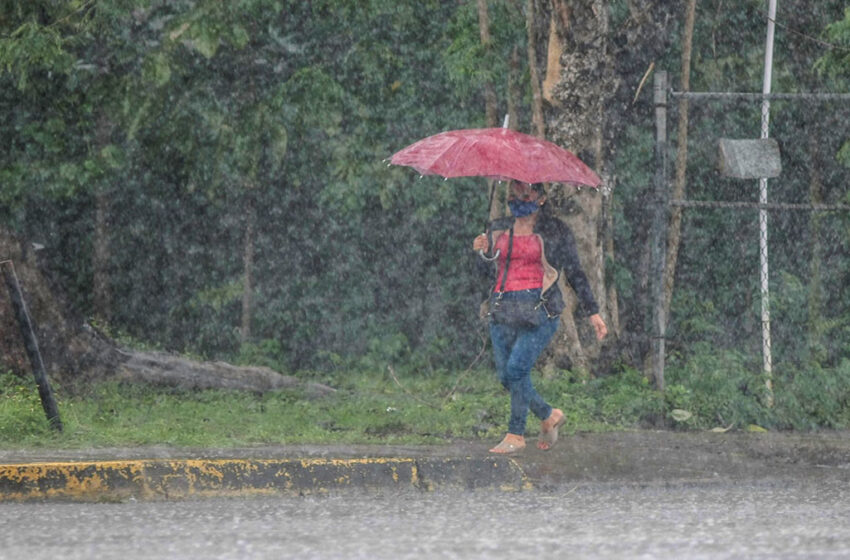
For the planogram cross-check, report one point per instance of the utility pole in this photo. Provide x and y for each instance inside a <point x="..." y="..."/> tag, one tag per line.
<point x="763" y="249"/>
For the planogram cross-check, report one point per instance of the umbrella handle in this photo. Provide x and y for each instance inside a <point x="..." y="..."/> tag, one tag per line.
<point x="486" y="258"/>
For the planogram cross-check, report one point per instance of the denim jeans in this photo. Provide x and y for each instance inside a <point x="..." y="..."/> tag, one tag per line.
<point x="515" y="350"/>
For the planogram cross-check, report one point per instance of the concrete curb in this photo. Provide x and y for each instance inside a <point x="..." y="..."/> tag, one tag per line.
<point x="637" y="457"/>
<point x="167" y="479"/>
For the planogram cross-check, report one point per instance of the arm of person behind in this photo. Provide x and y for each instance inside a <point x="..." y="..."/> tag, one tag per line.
<point x="566" y="257"/>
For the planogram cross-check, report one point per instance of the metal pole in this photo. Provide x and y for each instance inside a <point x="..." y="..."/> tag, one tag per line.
<point x="763" y="249"/>
<point x="31" y="345"/>
<point x="658" y="235"/>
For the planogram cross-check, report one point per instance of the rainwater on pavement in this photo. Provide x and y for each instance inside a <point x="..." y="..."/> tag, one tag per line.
<point x="771" y="519"/>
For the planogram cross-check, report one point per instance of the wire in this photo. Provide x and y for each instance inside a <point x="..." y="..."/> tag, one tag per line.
<point x="804" y="35"/>
<point x="768" y="206"/>
<point x="697" y="95"/>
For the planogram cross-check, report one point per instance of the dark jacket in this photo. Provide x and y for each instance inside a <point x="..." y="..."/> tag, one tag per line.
<point x="559" y="253"/>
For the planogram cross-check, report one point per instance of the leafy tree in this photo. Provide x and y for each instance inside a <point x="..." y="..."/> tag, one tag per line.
<point x="835" y="64"/>
<point x="208" y="176"/>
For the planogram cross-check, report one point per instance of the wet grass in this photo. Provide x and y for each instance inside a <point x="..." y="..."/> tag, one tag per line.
<point x="367" y="408"/>
<point x="711" y="391"/>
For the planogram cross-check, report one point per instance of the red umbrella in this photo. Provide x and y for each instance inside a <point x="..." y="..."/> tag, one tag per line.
<point x="498" y="153"/>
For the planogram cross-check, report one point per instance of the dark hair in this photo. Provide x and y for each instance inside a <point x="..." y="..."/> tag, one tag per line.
<point x="538" y="188"/>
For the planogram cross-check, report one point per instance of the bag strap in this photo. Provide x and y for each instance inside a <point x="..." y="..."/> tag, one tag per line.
<point x="501" y="291"/>
<point x="507" y="263"/>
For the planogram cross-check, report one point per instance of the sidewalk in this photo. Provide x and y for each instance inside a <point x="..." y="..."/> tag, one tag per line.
<point x="640" y="457"/>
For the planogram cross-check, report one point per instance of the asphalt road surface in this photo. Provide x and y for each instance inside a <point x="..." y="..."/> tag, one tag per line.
<point x="774" y="519"/>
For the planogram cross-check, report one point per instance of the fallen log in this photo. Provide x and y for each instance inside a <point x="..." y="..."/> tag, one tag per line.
<point x="174" y="371"/>
<point x="75" y="353"/>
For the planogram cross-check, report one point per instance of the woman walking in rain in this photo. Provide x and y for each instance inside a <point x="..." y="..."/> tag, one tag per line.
<point x="526" y="303"/>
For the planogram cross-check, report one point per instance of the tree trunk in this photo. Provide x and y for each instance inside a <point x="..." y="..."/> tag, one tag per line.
<point x="674" y="233"/>
<point x="576" y="122"/>
<point x="514" y="94"/>
<point x="101" y="297"/>
<point x="594" y="101"/>
<point x="76" y="354"/>
<point x="536" y="94"/>
<point x="248" y="268"/>
<point x="554" y="51"/>
<point x="491" y="107"/>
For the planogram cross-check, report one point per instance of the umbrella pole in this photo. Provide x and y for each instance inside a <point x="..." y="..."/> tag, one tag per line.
<point x="487" y="223"/>
<point x="490" y="205"/>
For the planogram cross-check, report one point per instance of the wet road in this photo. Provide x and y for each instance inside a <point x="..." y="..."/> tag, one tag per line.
<point x="753" y="520"/>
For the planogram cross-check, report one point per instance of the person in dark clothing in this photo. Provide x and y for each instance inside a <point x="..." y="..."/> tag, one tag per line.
<point x="540" y="246"/>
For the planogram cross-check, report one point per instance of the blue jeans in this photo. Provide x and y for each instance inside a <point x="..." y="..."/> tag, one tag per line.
<point x="515" y="350"/>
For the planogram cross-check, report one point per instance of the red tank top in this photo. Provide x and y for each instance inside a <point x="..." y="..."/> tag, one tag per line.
<point x="526" y="269"/>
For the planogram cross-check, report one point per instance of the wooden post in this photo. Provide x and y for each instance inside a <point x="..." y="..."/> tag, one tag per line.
<point x="658" y="233"/>
<point x="48" y="402"/>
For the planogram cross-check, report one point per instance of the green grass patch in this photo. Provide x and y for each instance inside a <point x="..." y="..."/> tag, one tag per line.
<point x="709" y="390"/>
<point x="367" y="408"/>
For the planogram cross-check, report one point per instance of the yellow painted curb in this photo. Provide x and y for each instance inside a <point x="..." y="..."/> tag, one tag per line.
<point x="177" y="479"/>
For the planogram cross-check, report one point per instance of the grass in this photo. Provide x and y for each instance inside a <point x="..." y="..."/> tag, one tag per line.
<point x="367" y="408"/>
<point x="709" y="390"/>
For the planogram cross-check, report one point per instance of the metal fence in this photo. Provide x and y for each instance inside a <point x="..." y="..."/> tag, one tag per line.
<point x="806" y="123"/>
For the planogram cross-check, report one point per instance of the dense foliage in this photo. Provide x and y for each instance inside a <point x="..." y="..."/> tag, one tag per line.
<point x="168" y="146"/>
<point x="190" y="118"/>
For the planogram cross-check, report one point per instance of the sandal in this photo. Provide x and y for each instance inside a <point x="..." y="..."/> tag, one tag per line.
<point x="549" y="436"/>
<point x="511" y="444"/>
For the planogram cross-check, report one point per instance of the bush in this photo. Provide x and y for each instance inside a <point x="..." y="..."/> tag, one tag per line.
<point x="718" y="388"/>
<point x="726" y="388"/>
<point x="814" y="398"/>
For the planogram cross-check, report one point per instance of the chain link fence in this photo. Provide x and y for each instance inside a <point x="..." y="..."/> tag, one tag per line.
<point x="763" y="264"/>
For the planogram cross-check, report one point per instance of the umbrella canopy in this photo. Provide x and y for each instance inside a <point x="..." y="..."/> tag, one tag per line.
<point x="498" y="153"/>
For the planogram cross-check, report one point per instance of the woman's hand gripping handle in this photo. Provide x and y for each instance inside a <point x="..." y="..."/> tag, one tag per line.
<point x="482" y="245"/>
